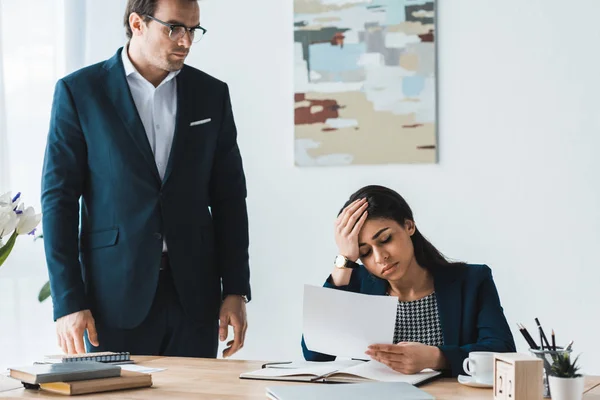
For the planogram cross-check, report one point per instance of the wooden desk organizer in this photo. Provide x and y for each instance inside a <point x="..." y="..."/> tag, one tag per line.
<point x="517" y="377"/>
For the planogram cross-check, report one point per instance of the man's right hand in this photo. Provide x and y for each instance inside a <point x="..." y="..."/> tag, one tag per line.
<point x="70" y="329"/>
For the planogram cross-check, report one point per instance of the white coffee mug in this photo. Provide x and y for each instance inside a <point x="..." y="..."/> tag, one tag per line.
<point x="480" y="365"/>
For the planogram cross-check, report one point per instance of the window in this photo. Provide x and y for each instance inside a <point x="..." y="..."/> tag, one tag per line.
<point x="30" y="47"/>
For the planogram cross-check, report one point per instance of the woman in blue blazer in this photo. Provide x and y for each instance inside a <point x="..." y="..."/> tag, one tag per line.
<point x="445" y="309"/>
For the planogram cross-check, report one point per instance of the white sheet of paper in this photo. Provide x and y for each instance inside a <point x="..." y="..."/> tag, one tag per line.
<point x="377" y="371"/>
<point x="139" y="368"/>
<point x="337" y="364"/>
<point x="345" y="324"/>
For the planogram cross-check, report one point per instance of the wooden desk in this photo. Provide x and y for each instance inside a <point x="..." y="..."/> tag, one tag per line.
<point x="193" y="378"/>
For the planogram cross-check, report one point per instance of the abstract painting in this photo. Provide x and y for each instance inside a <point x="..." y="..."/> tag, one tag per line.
<point x="365" y="82"/>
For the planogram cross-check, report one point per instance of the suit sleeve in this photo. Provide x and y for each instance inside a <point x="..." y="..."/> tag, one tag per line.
<point x="228" y="208"/>
<point x="493" y="331"/>
<point x="353" y="286"/>
<point x="63" y="178"/>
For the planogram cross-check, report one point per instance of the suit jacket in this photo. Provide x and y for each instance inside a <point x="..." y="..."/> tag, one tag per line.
<point x="106" y="210"/>
<point x="471" y="316"/>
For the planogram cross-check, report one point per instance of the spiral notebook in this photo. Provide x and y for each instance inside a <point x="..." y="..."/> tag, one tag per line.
<point x="107" y="357"/>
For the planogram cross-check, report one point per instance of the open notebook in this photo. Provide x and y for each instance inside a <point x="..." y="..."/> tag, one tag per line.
<point x="332" y="372"/>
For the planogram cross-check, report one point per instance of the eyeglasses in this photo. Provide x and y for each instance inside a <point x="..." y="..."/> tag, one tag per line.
<point x="178" y="31"/>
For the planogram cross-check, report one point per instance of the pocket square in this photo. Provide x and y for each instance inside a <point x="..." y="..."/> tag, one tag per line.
<point x="202" y="121"/>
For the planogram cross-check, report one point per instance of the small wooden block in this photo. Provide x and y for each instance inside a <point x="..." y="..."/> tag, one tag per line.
<point x="517" y="377"/>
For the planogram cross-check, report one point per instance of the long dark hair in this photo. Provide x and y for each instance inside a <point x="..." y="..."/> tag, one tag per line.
<point x="385" y="203"/>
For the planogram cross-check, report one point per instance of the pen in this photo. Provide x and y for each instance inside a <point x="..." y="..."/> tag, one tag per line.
<point x="527" y="337"/>
<point x="275" y="363"/>
<point x="553" y="341"/>
<point x="526" y="332"/>
<point x="542" y="335"/>
<point x="569" y="346"/>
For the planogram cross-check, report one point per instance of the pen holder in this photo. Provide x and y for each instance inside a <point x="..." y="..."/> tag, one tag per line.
<point x="548" y="356"/>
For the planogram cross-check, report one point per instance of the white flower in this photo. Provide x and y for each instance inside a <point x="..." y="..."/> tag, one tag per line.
<point x="15" y="220"/>
<point x="28" y="219"/>
<point x="8" y="217"/>
<point x="8" y="221"/>
<point x="14" y="216"/>
<point x="6" y="200"/>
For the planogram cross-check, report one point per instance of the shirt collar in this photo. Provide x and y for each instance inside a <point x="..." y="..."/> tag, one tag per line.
<point x="131" y="70"/>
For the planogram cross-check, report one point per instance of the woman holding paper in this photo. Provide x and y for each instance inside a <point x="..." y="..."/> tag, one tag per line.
<point x="445" y="309"/>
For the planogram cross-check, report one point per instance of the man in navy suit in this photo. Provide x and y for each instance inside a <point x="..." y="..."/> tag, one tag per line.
<point x="144" y="198"/>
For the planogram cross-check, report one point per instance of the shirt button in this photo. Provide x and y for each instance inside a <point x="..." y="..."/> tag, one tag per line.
<point x="157" y="236"/>
<point x="157" y="126"/>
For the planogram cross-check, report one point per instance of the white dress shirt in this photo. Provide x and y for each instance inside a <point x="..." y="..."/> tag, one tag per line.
<point x="157" y="107"/>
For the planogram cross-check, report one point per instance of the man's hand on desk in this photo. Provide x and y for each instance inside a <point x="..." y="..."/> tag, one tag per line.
<point x="70" y="329"/>
<point x="407" y="357"/>
<point x="233" y="312"/>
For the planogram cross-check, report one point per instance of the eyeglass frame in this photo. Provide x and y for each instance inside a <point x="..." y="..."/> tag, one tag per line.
<point x="191" y="31"/>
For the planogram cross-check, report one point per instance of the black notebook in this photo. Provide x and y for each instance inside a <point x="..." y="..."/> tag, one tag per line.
<point x="64" y="372"/>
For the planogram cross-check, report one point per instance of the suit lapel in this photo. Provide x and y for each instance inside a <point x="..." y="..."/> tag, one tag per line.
<point x="448" y="289"/>
<point x="374" y="286"/>
<point x="181" y="124"/>
<point x="117" y="89"/>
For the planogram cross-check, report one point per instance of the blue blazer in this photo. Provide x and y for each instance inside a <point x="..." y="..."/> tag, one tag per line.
<point x="471" y="316"/>
<point x="99" y="167"/>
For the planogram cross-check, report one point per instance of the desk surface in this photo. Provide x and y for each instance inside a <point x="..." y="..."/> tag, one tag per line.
<point x="194" y="378"/>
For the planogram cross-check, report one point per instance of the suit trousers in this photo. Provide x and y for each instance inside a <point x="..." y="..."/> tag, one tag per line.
<point x="166" y="331"/>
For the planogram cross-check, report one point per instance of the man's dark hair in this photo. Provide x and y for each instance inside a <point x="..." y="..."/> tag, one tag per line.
<point x="141" y="7"/>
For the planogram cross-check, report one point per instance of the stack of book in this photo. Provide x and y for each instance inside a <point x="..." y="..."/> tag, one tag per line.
<point x="81" y="377"/>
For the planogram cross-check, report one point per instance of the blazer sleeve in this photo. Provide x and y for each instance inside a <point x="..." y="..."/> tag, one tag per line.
<point x="63" y="179"/>
<point x="228" y="208"/>
<point x="493" y="333"/>
<point x="353" y="286"/>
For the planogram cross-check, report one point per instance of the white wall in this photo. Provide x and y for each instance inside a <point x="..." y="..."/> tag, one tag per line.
<point x="514" y="187"/>
<point x="3" y="133"/>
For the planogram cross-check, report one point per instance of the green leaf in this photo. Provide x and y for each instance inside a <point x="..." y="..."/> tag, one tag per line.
<point x="6" y="249"/>
<point x="44" y="292"/>
<point x="563" y="367"/>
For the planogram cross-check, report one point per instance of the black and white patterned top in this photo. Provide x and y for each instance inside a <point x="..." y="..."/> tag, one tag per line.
<point x="419" y="321"/>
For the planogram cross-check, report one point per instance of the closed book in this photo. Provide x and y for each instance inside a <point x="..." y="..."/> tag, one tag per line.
<point x="127" y="380"/>
<point x="64" y="372"/>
